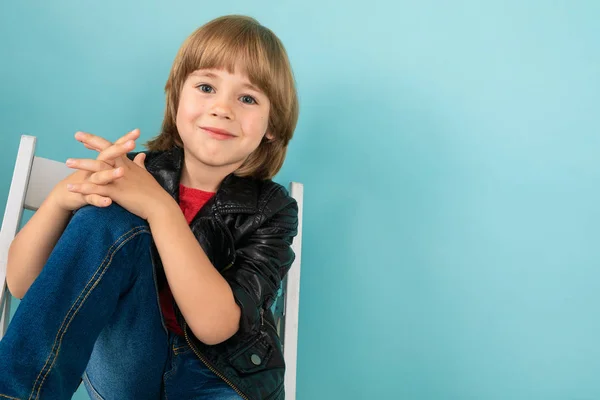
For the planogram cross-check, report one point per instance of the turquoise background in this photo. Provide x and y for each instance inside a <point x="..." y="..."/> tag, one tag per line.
<point x="449" y="154"/>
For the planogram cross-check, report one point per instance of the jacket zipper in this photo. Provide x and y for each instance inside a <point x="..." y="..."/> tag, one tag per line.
<point x="200" y="356"/>
<point x="206" y="362"/>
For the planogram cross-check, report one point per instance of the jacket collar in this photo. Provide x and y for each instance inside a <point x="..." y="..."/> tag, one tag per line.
<point x="235" y="194"/>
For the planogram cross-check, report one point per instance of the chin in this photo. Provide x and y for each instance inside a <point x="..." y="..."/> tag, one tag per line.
<point x="216" y="159"/>
<point x="216" y="162"/>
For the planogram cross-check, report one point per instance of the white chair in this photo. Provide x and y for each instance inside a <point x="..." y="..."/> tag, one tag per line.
<point x="33" y="179"/>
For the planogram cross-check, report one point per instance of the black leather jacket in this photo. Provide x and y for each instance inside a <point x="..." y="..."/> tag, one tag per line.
<point x="246" y="231"/>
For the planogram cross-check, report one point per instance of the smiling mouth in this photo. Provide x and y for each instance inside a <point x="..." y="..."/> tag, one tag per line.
<point x="219" y="134"/>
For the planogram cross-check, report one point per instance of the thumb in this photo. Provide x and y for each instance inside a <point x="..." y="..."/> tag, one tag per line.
<point x="139" y="160"/>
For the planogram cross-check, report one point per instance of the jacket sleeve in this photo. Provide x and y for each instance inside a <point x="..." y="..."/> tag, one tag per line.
<point x="263" y="260"/>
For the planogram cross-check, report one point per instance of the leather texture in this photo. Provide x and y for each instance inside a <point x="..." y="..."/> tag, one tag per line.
<point x="246" y="230"/>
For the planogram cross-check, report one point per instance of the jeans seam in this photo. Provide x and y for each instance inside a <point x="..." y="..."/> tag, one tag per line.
<point x="8" y="397"/>
<point x="172" y="368"/>
<point x="170" y="372"/>
<point x="79" y="301"/>
<point x="95" y="393"/>
<point x="176" y="350"/>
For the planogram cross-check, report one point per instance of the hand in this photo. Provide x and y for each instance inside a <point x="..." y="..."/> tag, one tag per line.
<point x="103" y="166"/>
<point x="127" y="183"/>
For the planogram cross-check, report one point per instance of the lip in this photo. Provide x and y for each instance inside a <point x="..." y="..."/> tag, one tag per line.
<point x="220" y="134"/>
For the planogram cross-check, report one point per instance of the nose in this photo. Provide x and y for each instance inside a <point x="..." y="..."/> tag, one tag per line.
<point x="221" y="109"/>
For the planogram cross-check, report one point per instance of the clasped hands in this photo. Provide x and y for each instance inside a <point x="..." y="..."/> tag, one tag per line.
<point x="111" y="177"/>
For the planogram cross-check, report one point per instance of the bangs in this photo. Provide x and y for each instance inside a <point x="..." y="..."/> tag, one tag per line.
<point x="247" y="50"/>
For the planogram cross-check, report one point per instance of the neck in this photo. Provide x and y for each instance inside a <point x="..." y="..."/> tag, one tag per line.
<point x="198" y="175"/>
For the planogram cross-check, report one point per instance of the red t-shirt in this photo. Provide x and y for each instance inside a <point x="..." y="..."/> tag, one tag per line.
<point x="191" y="201"/>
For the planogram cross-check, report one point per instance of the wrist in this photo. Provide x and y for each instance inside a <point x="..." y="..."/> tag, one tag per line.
<point x="162" y="208"/>
<point x="53" y="205"/>
<point x="53" y="202"/>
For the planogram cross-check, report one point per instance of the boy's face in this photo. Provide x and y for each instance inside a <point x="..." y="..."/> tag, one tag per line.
<point x="221" y="118"/>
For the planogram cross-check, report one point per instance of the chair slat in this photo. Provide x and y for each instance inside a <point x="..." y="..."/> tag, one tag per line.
<point x="292" y="300"/>
<point x="45" y="174"/>
<point x="12" y="218"/>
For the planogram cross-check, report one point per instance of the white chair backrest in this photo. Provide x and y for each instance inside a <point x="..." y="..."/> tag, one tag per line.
<point x="291" y="301"/>
<point x="33" y="179"/>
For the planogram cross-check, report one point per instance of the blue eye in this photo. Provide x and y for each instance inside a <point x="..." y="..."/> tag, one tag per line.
<point x="204" y="88"/>
<point x="248" y="100"/>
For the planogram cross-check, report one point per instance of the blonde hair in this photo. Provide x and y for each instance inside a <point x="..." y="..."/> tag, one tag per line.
<point x="226" y="43"/>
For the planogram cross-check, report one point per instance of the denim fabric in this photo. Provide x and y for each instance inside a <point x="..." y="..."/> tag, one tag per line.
<point x="94" y="308"/>
<point x="184" y="377"/>
<point x="187" y="377"/>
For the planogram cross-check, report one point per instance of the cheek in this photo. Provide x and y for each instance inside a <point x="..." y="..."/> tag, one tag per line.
<point x="181" y="111"/>
<point x="184" y="112"/>
<point x="265" y="122"/>
<point x="188" y="108"/>
<point x="260" y="125"/>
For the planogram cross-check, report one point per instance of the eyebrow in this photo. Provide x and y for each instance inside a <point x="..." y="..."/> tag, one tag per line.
<point x="215" y="76"/>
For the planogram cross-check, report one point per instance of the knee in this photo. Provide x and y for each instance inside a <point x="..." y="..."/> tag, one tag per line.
<point x="113" y="218"/>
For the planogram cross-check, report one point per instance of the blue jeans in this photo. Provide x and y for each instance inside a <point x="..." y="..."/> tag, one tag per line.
<point x="93" y="313"/>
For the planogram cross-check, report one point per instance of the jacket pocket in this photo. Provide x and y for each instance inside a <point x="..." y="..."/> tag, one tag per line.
<point x="253" y="357"/>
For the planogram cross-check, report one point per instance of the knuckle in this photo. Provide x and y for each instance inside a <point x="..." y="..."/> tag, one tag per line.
<point x="97" y="166"/>
<point x="106" y="177"/>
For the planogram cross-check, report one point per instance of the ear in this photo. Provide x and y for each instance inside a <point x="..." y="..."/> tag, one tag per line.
<point x="269" y="136"/>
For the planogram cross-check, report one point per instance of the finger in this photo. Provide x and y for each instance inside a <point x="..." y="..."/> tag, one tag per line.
<point x="116" y="151"/>
<point x="91" y="148"/>
<point x="105" y="177"/>
<point x="98" y="201"/>
<point x="132" y="135"/>
<point x="139" y="160"/>
<point x="96" y="142"/>
<point x="88" y="188"/>
<point x="87" y="164"/>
